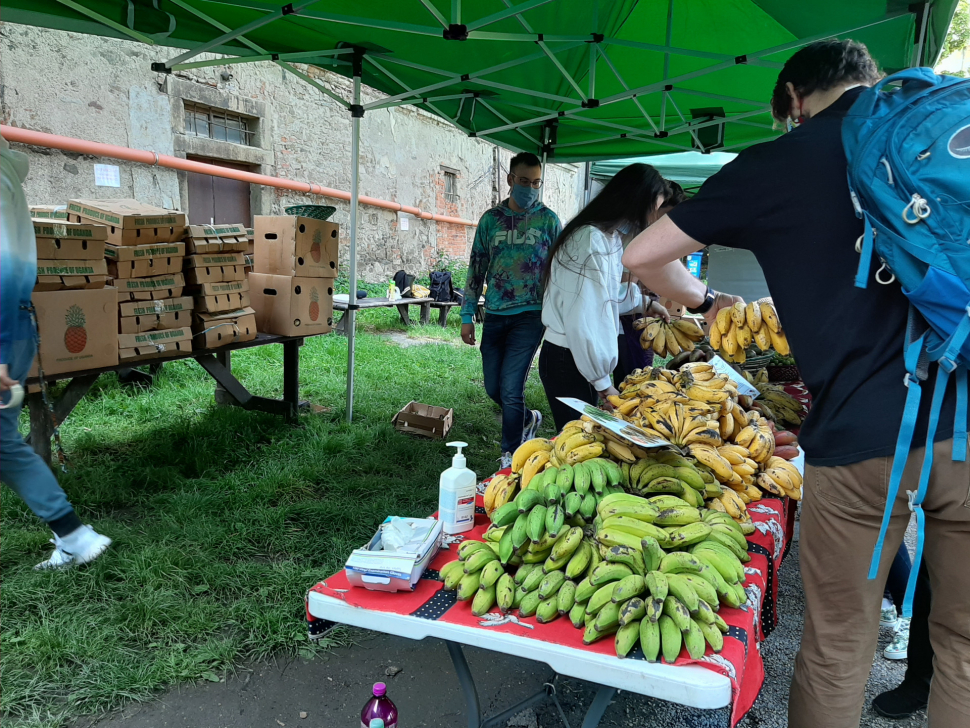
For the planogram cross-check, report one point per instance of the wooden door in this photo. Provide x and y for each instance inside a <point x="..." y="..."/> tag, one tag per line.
<point x="218" y="200"/>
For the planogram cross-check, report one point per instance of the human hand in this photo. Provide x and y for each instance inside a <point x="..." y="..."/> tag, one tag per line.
<point x="468" y="334"/>
<point x="5" y="381"/>
<point x="658" y="309"/>
<point x="721" y="300"/>
<point x="605" y="403"/>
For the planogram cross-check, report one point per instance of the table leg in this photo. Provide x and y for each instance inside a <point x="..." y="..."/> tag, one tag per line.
<point x="402" y="309"/>
<point x="602" y="700"/>
<point x="291" y="376"/>
<point x="341" y="326"/>
<point x="425" y="313"/>
<point x="443" y="317"/>
<point x="41" y="427"/>
<point x="222" y="396"/>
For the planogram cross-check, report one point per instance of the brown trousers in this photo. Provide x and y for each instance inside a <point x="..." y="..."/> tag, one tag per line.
<point x="840" y="521"/>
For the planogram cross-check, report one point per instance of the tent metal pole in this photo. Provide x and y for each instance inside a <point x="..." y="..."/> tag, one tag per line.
<point x="357" y="112"/>
<point x="684" y="119"/>
<point x="627" y="87"/>
<point x="545" y="147"/>
<point x="456" y="12"/>
<point x="403" y="85"/>
<point x="720" y="97"/>
<point x="107" y="21"/>
<point x="318" y="86"/>
<point x="435" y="12"/>
<point x="506" y="120"/>
<point x="303" y="56"/>
<point x="233" y="34"/>
<point x="921" y="40"/>
<point x="503" y="14"/>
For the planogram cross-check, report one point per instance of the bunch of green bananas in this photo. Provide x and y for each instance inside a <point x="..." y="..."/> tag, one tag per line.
<point x="667" y="567"/>
<point x="669" y="472"/>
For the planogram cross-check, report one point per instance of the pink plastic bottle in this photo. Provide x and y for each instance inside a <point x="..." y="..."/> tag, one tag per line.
<point x="380" y="706"/>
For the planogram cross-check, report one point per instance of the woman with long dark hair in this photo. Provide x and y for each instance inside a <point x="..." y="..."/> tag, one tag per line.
<point x="580" y="307"/>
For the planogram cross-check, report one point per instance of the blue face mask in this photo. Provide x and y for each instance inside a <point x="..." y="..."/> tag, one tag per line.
<point x="525" y="197"/>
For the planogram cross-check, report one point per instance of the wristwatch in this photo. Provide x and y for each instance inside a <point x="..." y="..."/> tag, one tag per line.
<point x="709" y="297"/>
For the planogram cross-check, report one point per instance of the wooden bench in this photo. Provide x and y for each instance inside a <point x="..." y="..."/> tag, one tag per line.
<point x="401" y="305"/>
<point x="443" y="307"/>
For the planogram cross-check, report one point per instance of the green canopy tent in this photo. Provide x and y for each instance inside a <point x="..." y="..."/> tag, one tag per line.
<point x="572" y="80"/>
<point x="690" y="169"/>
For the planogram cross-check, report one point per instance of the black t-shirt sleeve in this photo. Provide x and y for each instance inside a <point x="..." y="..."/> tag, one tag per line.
<point x="725" y="209"/>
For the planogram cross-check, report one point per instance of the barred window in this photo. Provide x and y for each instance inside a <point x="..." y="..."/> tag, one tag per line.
<point x="451" y="186"/>
<point x="219" y="124"/>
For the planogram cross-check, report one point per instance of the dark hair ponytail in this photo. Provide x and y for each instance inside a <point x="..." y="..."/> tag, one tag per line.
<point x="820" y="66"/>
<point x="630" y="197"/>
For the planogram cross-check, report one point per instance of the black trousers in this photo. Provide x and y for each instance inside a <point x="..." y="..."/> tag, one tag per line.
<point x="561" y="378"/>
<point x="919" y="653"/>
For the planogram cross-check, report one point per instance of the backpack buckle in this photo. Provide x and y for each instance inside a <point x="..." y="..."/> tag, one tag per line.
<point x="948" y="365"/>
<point x="910" y="377"/>
<point x="911" y="498"/>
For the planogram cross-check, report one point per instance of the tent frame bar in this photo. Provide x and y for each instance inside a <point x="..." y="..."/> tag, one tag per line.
<point x="107" y="21"/>
<point x="304" y="56"/>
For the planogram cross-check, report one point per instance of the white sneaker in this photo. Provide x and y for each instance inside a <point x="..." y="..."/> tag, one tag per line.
<point x="898" y="647"/>
<point x="533" y="427"/>
<point x="81" y="546"/>
<point x="505" y="461"/>
<point x="887" y="614"/>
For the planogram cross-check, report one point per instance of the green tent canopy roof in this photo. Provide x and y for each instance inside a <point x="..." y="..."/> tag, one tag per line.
<point x="578" y="79"/>
<point x="690" y="169"/>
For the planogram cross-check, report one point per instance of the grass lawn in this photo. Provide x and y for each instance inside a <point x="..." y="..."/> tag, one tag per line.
<point x="222" y="519"/>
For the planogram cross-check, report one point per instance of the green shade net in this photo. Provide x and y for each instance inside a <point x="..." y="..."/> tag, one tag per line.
<point x="558" y="71"/>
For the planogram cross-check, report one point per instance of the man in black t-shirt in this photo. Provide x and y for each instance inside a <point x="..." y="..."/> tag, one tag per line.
<point x="788" y="202"/>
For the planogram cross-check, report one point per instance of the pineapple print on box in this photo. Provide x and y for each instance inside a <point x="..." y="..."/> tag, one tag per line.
<point x="78" y="329"/>
<point x="76" y="336"/>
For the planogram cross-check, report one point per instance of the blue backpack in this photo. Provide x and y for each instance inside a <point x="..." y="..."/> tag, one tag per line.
<point x="908" y="150"/>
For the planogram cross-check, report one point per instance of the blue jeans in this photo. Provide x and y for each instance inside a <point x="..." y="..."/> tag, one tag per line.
<point x="509" y="344"/>
<point x="20" y="467"/>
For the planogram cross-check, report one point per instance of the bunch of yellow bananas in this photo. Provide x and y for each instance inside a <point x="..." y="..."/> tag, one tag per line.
<point x="740" y="326"/>
<point x="758" y="437"/>
<point x="668" y="338"/>
<point x="781" y="478"/>
<point x="500" y="490"/>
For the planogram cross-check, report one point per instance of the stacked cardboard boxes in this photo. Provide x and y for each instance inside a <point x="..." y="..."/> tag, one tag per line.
<point x="74" y="308"/>
<point x="144" y="253"/>
<point x="294" y="266"/>
<point x="216" y="277"/>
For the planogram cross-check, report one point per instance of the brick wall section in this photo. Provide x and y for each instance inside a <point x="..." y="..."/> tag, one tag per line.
<point x="454" y="241"/>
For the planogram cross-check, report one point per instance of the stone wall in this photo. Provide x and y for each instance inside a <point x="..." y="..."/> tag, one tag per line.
<point x="103" y="90"/>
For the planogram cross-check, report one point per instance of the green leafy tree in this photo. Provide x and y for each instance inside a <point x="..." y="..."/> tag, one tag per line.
<point x="958" y="37"/>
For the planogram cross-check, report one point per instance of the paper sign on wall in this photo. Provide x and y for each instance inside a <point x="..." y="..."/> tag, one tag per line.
<point x="744" y="387"/>
<point x="617" y="426"/>
<point x="107" y="175"/>
<point x="405" y="224"/>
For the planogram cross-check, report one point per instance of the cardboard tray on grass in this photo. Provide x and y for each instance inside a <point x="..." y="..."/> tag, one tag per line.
<point x="289" y="306"/>
<point x="129" y="222"/>
<point x="218" y="329"/>
<point x="156" y="288"/>
<point x="295" y="246"/>
<point x="424" y="419"/>
<point x="77" y="330"/>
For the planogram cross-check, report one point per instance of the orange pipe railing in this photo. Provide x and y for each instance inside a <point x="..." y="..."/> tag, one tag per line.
<point x="82" y="146"/>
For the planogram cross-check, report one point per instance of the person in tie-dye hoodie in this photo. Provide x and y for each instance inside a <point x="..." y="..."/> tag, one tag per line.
<point x="20" y="467"/>
<point x="509" y="254"/>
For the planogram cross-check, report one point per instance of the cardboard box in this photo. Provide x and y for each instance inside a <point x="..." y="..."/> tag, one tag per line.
<point x="150" y="351"/>
<point x="77" y="330"/>
<point x="150" y="289"/>
<point x="69" y="249"/>
<point x="673" y="308"/>
<point x="216" y="239"/>
<point x="210" y="260"/>
<point x="218" y="329"/>
<point x="144" y="252"/>
<point x="148" y="308"/>
<point x="214" y="274"/>
<point x="216" y="289"/>
<point x="130" y="222"/>
<point x="154" y="338"/>
<point x="61" y="275"/>
<point x="424" y="419"/>
<point x="144" y="267"/>
<point x="65" y="229"/>
<point x="295" y="246"/>
<point x="48" y="212"/>
<point x="154" y="322"/>
<point x="284" y="304"/>
<point x="222" y="302"/>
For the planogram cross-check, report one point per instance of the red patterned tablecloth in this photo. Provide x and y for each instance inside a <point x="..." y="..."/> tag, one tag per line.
<point x="740" y="660"/>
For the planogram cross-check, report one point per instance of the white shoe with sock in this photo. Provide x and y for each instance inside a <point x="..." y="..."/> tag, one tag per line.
<point x="81" y="546"/>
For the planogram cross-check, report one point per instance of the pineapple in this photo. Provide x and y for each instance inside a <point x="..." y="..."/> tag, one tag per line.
<point x="315" y="248"/>
<point x="314" y="304"/>
<point x="76" y="336"/>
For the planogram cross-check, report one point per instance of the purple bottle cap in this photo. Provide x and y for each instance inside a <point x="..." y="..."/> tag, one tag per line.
<point x="380" y="689"/>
